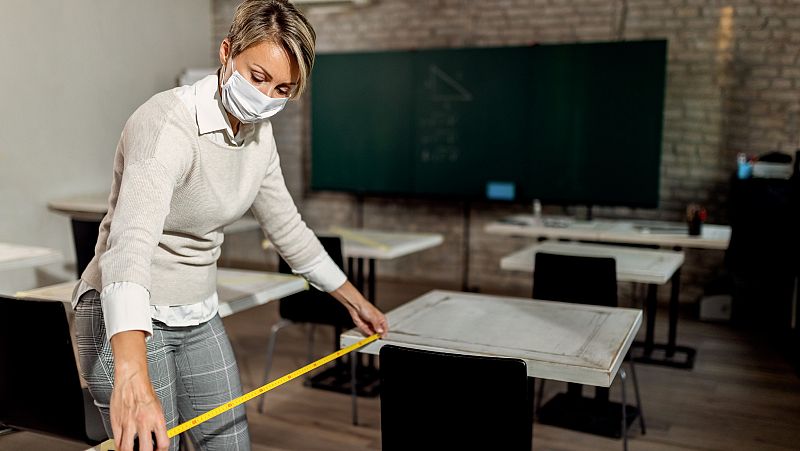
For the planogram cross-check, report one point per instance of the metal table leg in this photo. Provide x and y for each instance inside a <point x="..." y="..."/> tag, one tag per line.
<point x="670" y="349"/>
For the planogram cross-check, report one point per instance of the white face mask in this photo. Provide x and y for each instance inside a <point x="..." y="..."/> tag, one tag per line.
<point x="245" y="102"/>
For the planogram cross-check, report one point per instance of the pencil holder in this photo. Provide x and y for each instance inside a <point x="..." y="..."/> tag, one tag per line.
<point x="695" y="217"/>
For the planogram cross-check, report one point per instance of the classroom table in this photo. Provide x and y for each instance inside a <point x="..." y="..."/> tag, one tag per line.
<point x="653" y="267"/>
<point x="578" y="343"/>
<point x="649" y="233"/>
<point x="237" y="289"/>
<point x="87" y="211"/>
<point x="17" y="256"/>
<point x="371" y="245"/>
<point x="643" y="232"/>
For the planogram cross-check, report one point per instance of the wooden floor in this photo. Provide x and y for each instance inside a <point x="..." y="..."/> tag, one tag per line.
<point x="740" y="395"/>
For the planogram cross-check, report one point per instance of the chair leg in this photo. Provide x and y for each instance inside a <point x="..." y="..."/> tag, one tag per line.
<point x="622" y="377"/>
<point x="270" y="350"/>
<point x="310" y="356"/>
<point x="353" y="392"/>
<point x="638" y="398"/>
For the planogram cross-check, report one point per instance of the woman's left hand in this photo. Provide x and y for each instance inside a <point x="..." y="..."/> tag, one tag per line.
<point x="366" y="316"/>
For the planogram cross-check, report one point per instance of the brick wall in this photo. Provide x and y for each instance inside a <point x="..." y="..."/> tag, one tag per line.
<point x="733" y="84"/>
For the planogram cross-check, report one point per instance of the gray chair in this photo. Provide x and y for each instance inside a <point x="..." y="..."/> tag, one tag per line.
<point x="40" y="388"/>
<point x="584" y="280"/>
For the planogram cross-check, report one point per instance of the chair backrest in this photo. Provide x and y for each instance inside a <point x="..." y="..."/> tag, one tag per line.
<point x="576" y="279"/>
<point x="39" y="385"/>
<point x="315" y="306"/>
<point x="434" y="400"/>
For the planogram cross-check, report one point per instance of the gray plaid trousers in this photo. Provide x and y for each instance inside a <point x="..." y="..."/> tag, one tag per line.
<point x="192" y="369"/>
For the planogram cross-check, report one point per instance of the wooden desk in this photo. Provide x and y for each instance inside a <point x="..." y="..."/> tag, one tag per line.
<point x="238" y="290"/>
<point x="656" y="233"/>
<point x="16" y="256"/>
<point x="650" y="266"/>
<point x="567" y="342"/>
<point x="87" y="211"/>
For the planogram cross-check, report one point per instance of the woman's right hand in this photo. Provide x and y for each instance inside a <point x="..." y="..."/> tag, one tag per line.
<point x="135" y="408"/>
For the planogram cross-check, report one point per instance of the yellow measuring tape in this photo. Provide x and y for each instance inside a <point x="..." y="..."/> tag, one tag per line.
<point x="183" y="427"/>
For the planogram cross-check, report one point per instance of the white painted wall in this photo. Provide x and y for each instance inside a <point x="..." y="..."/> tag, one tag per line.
<point x="73" y="71"/>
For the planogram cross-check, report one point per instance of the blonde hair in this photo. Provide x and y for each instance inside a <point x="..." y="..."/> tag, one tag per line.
<point x="280" y="22"/>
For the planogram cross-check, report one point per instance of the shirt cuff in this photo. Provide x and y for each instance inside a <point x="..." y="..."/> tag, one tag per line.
<point x="126" y="306"/>
<point x="322" y="273"/>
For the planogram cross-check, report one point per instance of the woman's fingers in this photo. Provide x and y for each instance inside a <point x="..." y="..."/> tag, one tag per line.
<point x="116" y="430"/>
<point x="363" y="326"/>
<point x="383" y="325"/>
<point x="371" y="321"/>
<point x="136" y="411"/>
<point x="124" y="441"/>
<point x="162" y="440"/>
<point x="145" y="440"/>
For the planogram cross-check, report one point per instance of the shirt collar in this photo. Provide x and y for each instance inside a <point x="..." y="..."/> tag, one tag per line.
<point x="211" y="116"/>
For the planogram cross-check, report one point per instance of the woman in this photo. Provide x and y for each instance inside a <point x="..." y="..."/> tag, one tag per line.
<point x="190" y="161"/>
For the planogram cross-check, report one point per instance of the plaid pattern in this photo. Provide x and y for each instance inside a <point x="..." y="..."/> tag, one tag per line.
<point x="192" y="369"/>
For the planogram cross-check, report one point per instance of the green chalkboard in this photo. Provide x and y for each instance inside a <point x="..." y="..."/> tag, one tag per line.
<point x="568" y="123"/>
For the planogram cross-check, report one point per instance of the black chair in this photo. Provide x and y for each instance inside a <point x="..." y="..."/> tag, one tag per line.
<point x="40" y="389"/>
<point x="764" y="218"/>
<point x="593" y="281"/>
<point x="314" y="307"/>
<point x="84" y="238"/>
<point x="434" y="400"/>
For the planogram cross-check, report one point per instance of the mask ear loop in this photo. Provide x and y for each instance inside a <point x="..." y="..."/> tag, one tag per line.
<point x="222" y="71"/>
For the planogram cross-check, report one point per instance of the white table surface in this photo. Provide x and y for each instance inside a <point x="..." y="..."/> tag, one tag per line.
<point x="16" y="256"/>
<point x="93" y="207"/>
<point x="238" y="289"/>
<point x="658" y="233"/>
<point x="383" y="245"/>
<point x="561" y="341"/>
<point x="633" y="264"/>
<point x="88" y="207"/>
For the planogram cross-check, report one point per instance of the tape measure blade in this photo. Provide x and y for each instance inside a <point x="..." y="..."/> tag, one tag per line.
<point x="108" y="445"/>
<point x="267" y="387"/>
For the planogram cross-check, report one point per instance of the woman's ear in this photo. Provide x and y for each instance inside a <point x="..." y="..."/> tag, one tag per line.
<point x="224" y="51"/>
